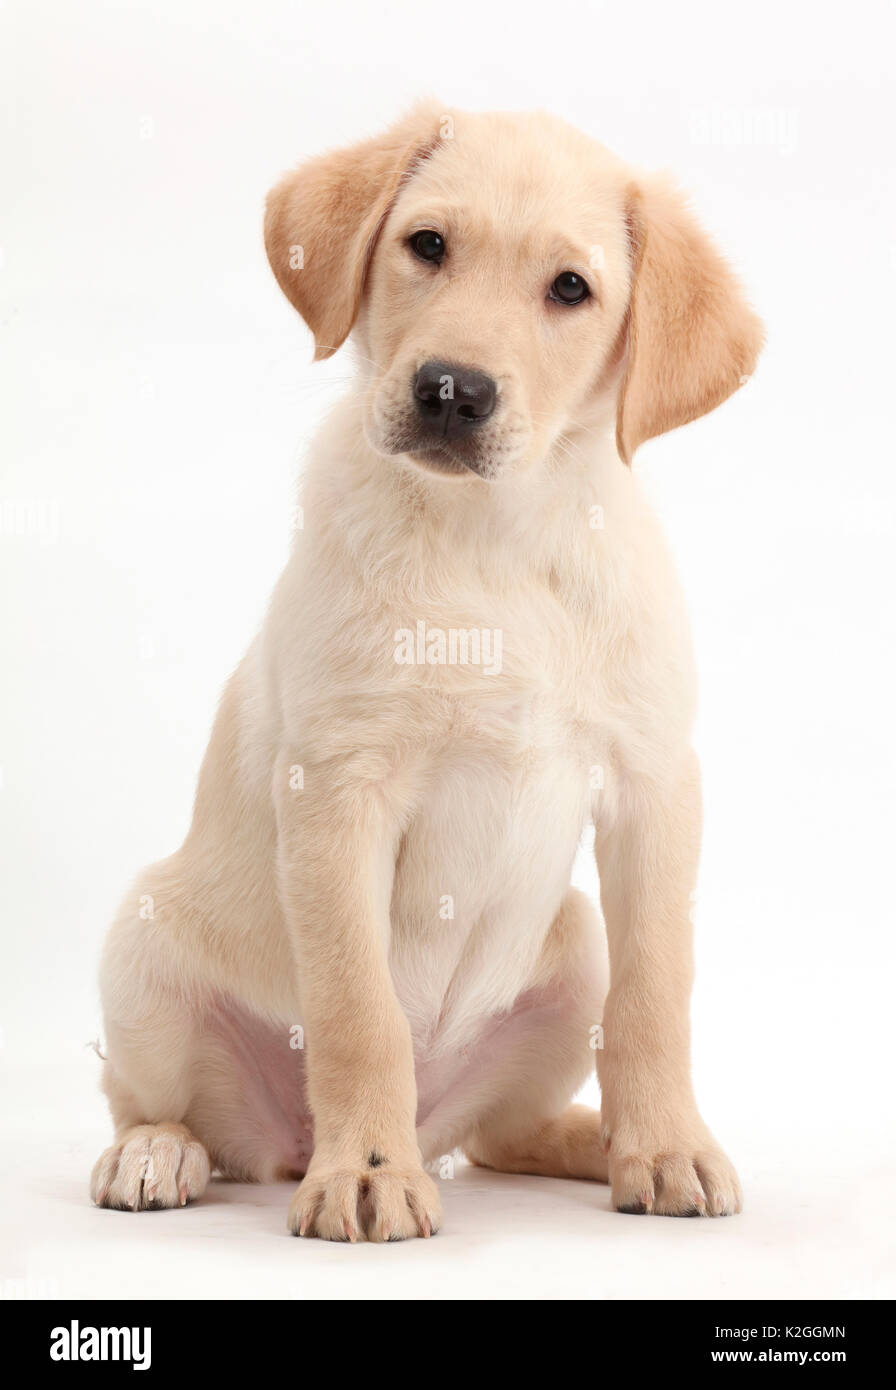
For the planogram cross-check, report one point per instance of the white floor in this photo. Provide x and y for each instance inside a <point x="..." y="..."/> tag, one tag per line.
<point x="819" y="1225"/>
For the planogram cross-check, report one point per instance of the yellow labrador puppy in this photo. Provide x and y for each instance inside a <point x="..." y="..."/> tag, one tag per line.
<point x="367" y="952"/>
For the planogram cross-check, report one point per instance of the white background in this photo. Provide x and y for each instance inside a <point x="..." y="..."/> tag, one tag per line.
<point x="157" y="396"/>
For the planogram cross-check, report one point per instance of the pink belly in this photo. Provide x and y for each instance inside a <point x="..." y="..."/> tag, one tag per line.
<point x="251" y="1107"/>
<point x="254" y="1112"/>
<point x="258" y="1124"/>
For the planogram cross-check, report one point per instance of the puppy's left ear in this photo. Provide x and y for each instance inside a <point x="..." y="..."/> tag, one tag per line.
<point x="322" y="220"/>
<point x="692" y="339"/>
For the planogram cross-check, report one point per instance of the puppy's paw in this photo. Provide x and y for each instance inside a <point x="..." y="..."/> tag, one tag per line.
<point x="682" y="1179"/>
<point x="376" y="1202"/>
<point x="151" y="1166"/>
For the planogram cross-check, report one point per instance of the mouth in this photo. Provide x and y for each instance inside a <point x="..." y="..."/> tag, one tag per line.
<point x="448" y="458"/>
<point x="442" y="458"/>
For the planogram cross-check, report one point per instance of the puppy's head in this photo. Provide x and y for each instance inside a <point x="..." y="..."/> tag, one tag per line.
<point x="509" y="282"/>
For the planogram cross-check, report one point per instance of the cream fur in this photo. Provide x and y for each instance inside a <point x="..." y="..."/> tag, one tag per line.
<point x="345" y="797"/>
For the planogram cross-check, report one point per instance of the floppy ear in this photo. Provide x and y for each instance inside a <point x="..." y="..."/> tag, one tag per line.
<point x="692" y="337"/>
<point x="322" y="220"/>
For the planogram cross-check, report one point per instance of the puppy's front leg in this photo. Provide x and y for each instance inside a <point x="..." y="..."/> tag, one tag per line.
<point x="662" y="1158"/>
<point x="337" y="847"/>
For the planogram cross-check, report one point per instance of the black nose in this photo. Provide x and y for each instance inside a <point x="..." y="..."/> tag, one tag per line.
<point x="452" y="399"/>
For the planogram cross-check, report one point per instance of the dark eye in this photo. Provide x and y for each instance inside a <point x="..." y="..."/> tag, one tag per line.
<point x="569" y="288"/>
<point x="429" y="246"/>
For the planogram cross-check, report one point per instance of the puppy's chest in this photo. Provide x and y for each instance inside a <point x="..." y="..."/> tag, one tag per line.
<point x="517" y="673"/>
<point x="509" y="696"/>
<point x="484" y="864"/>
<point x="505" y="800"/>
<point x="487" y="855"/>
<point x="516" y="727"/>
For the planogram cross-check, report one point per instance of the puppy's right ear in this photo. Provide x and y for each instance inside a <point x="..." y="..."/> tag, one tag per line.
<point x="321" y="223"/>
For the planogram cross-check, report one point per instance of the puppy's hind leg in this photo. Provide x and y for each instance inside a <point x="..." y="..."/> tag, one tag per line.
<point x="151" y="1164"/>
<point x="568" y="1145"/>
<point x="155" y="1161"/>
